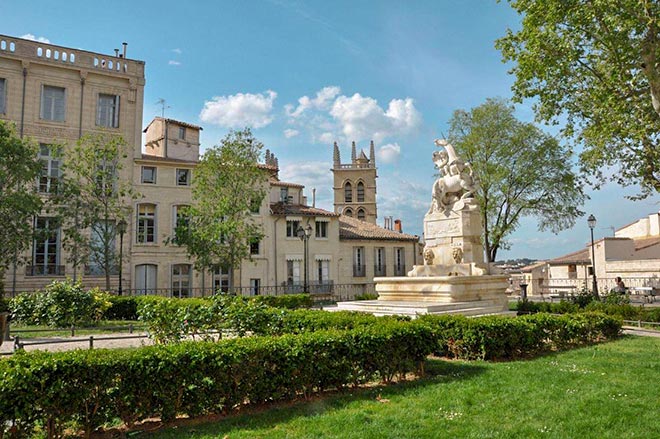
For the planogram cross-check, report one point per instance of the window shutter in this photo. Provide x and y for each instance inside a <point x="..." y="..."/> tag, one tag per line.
<point x="58" y="104"/>
<point x="115" y="119"/>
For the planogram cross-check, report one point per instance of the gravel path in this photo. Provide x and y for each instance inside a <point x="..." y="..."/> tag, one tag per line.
<point x="81" y="342"/>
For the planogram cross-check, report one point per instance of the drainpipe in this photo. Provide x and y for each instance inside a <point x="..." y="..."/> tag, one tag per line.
<point x="82" y="95"/>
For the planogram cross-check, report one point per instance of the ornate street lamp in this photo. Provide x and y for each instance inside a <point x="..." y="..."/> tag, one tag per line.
<point x="591" y="221"/>
<point x="121" y="228"/>
<point x="304" y="234"/>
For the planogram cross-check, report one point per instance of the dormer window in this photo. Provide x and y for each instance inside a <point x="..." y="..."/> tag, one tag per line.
<point x="284" y="195"/>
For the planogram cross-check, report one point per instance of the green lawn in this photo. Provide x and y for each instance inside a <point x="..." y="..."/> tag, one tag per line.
<point x="607" y="390"/>
<point x="104" y="327"/>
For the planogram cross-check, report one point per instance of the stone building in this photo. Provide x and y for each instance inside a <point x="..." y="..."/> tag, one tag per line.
<point x="56" y="94"/>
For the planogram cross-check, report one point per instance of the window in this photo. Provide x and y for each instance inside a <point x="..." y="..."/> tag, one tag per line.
<point x="182" y="133"/>
<point x="182" y="177"/>
<point x="107" y="177"/>
<point x="149" y="174"/>
<point x="348" y="212"/>
<point x="293" y="272"/>
<point x="145" y="279"/>
<point x="101" y="233"/>
<point x="254" y="286"/>
<point x="358" y="262"/>
<point x="180" y="222"/>
<point x="107" y="111"/>
<point x="348" y="192"/>
<point x="45" y="248"/>
<point x="255" y="205"/>
<point x="292" y="229"/>
<point x="379" y="261"/>
<point x="361" y="215"/>
<point x="52" y="103"/>
<point x="50" y="169"/>
<point x="321" y="229"/>
<point x="399" y="261"/>
<point x="360" y="192"/>
<point x="254" y="247"/>
<point x="284" y="194"/>
<point x="3" y="93"/>
<point x="220" y="280"/>
<point x="146" y="223"/>
<point x="323" y="271"/>
<point x="181" y="280"/>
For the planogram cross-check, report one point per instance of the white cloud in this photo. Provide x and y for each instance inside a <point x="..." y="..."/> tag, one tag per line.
<point x="289" y="133"/>
<point x="362" y="118"/>
<point x="389" y="153"/>
<point x="239" y="110"/>
<point x="322" y="101"/>
<point x="312" y="175"/>
<point x="33" y="38"/>
<point x="177" y="51"/>
<point x="326" y="138"/>
<point x="173" y="63"/>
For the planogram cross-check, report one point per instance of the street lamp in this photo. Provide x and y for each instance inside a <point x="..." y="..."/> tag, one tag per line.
<point x="304" y="234"/>
<point x="591" y="221"/>
<point x="121" y="228"/>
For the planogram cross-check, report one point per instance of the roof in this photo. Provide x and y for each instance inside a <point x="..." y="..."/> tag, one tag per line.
<point x="578" y="257"/>
<point x="353" y="228"/>
<point x="298" y="209"/>
<point x="531" y="267"/>
<point x="643" y="243"/>
<point x="157" y="158"/>
<point x="178" y="122"/>
<point x="267" y="167"/>
<point x="285" y="184"/>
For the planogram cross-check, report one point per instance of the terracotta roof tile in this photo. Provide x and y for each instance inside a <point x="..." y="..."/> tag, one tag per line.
<point x="353" y="228"/>
<point x="298" y="209"/>
<point x="285" y="184"/>
<point x="577" y="257"/>
<point x="641" y="244"/>
<point x="165" y="159"/>
<point x="178" y="122"/>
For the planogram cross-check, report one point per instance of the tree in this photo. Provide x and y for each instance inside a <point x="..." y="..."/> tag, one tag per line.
<point x="19" y="203"/>
<point x="92" y="199"/>
<point x="218" y="227"/>
<point x="594" y="66"/>
<point x="520" y="171"/>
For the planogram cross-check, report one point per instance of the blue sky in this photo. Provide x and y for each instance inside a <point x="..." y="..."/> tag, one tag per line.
<point x="305" y="74"/>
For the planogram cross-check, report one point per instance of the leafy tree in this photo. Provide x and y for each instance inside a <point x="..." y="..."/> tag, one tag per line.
<point x="93" y="197"/>
<point x="19" y="169"/>
<point x="520" y="171"/>
<point x="594" y="66"/>
<point x="218" y="227"/>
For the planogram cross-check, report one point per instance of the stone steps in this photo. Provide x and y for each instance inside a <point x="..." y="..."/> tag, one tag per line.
<point x="381" y="308"/>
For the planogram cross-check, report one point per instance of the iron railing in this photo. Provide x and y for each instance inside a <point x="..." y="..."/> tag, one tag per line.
<point x="359" y="270"/>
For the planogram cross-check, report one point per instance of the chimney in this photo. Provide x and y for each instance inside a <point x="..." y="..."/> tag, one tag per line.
<point x="397" y="226"/>
<point x="125" y="45"/>
<point x="117" y="53"/>
<point x="313" y="197"/>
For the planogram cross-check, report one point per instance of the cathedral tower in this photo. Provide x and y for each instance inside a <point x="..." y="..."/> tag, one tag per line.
<point x="355" y="184"/>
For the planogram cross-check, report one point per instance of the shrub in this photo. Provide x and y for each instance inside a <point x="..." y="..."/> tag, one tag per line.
<point x="86" y="389"/>
<point x="366" y="296"/>
<point x="287" y="301"/>
<point x="122" y="308"/>
<point x="4" y="305"/>
<point x="60" y="304"/>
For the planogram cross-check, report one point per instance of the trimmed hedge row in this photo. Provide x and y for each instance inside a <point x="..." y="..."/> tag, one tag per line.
<point x="506" y="338"/>
<point x="622" y="310"/>
<point x="87" y="389"/>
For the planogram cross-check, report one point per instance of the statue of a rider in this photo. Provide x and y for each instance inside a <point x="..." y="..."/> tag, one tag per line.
<point x="456" y="180"/>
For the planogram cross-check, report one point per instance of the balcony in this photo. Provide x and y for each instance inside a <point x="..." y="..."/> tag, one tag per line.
<point x="44" y="270"/>
<point x="359" y="270"/>
<point x="380" y="270"/>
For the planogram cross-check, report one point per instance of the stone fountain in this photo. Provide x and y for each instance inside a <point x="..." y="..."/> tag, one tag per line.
<point x="454" y="278"/>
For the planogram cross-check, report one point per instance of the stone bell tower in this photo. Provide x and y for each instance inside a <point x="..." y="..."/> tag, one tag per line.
<point x="355" y="184"/>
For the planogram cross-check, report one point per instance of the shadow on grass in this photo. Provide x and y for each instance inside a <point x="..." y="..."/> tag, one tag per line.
<point x="266" y="416"/>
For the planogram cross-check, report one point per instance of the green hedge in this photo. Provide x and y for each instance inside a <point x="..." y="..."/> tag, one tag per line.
<point x="624" y="311"/>
<point x="506" y="338"/>
<point x="87" y="389"/>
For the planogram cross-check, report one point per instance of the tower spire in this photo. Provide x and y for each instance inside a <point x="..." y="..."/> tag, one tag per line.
<point x="372" y="154"/>
<point x="336" y="158"/>
<point x="353" y="152"/>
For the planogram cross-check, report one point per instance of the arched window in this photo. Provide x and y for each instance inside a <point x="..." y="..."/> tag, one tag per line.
<point x="360" y="192"/>
<point x="348" y="192"/>
<point x="361" y="215"/>
<point x="348" y="212"/>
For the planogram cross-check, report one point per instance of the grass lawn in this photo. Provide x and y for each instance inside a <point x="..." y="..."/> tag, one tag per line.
<point x="104" y="327"/>
<point x="607" y="390"/>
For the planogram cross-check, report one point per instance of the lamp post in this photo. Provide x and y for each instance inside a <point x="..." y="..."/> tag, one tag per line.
<point x="304" y="234"/>
<point x="121" y="228"/>
<point x="591" y="221"/>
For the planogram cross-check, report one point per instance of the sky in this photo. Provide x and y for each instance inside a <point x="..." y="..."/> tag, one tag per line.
<point x="304" y="74"/>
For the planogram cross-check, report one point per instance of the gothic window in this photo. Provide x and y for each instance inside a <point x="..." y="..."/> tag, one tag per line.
<point x="360" y="192"/>
<point x="361" y="215"/>
<point x="348" y="192"/>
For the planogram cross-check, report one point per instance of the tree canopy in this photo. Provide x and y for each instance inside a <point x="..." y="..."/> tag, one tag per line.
<point x="93" y="197"/>
<point x="520" y="171"/>
<point x="593" y="66"/>
<point x="219" y="226"/>
<point x="19" y="169"/>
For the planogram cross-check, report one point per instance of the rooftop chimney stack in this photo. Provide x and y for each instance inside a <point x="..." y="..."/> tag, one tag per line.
<point x="397" y="226"/>
<point x="125" y="45"/>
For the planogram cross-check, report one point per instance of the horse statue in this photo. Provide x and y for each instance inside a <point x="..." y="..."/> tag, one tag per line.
<point x="456" y="181"/>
